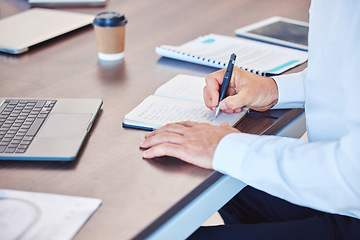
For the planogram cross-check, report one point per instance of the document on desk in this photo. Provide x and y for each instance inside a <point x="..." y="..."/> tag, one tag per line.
<point x="214" y="50"/>
<point x="180" y="99"/>
<point x="30" y="215"/>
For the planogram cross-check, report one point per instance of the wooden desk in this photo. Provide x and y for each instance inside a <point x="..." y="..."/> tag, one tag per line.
<point x="135" y="192"/>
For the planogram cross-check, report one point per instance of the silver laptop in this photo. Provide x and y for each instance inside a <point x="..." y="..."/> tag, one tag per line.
<point x="31" y="27"/>
<point x="45" y="129"/>
<point x="94" y="3"/>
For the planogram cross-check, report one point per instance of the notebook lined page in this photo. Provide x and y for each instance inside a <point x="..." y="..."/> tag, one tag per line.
<point x="156" y="111"/>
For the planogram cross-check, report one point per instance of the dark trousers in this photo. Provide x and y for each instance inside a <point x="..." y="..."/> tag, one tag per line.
<point x="253" y="214"/>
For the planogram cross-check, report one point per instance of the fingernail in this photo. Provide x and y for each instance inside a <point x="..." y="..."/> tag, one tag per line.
<point x="223" y="105"/>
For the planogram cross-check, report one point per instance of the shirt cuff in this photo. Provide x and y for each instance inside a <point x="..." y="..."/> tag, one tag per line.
<point x="230" y="153"/>
<point x="291" y="90"/>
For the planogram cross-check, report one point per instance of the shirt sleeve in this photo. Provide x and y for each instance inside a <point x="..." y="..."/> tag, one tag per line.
<point x="319" y="175"/>
<point x="290" y="96"/>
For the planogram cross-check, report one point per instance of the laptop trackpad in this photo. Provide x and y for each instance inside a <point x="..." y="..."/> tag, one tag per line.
<point x="65" y="125"/>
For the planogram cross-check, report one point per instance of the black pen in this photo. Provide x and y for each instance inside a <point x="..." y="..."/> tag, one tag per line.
<point x="226" y="81"/>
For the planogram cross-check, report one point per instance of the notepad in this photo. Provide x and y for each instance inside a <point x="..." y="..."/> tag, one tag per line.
<point x="180" y="99"/>
<point x="214" y="50"/>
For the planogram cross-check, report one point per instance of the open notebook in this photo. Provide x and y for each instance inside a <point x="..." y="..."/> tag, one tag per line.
<point x="180" y="99"/>
<point x="214" y="50"/>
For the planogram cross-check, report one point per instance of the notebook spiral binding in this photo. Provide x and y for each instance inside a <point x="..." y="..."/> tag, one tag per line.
<point x="170" y="53"/>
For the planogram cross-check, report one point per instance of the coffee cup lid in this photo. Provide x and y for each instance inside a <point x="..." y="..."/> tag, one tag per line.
<point x="109" y="19"/>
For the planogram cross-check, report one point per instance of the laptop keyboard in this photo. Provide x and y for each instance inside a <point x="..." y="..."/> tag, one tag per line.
<point x="20" y="120"/>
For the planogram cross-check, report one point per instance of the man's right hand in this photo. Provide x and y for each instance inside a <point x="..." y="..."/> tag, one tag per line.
<point x="246" y="89"/>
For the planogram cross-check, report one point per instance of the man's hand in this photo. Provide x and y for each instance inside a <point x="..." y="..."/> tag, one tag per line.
<point x="190" y="141"/>
<point x="246" y="89"/>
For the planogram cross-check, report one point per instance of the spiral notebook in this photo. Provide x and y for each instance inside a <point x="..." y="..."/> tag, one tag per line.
<point x="214" y="50"/>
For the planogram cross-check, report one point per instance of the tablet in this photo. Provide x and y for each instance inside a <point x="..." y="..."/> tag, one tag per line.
<point x="278" y="30"/>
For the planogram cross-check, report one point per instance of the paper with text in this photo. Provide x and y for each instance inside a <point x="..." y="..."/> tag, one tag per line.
<point x="30" y="215"/>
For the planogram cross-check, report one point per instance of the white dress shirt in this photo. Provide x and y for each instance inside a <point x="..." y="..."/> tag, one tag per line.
<point x="324" y="173"/>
